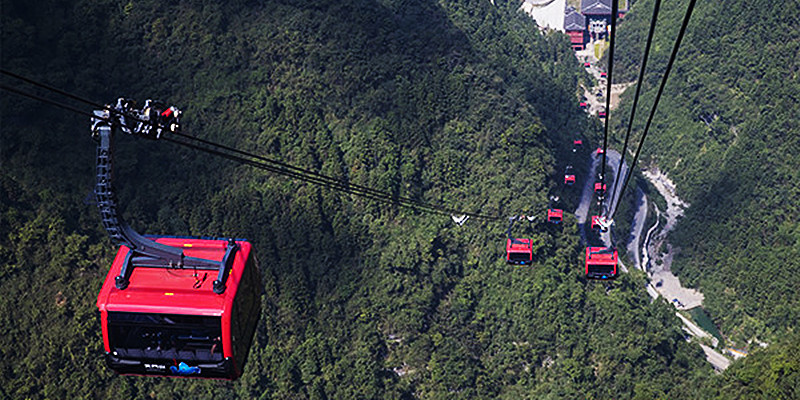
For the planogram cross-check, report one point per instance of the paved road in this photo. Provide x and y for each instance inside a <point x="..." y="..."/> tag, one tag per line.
<point x="637" y="226"/>
<point x="613" y="158"/>
<point x="719" y="361"/>
<point x="582" y="212"/>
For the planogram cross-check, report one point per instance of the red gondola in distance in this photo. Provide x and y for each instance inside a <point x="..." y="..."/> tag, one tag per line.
<point x="599" y="188"/>
<point x="601" y="263"/>
<point x="519" y="251"/>
<point x="555" y="215"/>
<point x="595" y="222"/>
<point x="569" y="176"/>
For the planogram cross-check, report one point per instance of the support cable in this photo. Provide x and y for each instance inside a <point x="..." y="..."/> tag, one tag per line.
<point x="254" y="160"/>
<point x="653" y="20"/>
<point x="614" y="15"/>
<point x="671" y="61"/>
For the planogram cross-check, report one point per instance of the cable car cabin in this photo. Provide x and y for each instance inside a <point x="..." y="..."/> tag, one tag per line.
<point x="595" y="222"/>
<point x="603" y="75"/>
<point x="519" y="251"/>
<point x="555" y="215"/>
<point x="600" y="189"/>
<point x="601" y="263"/>
<point x="576" y="144"/>
<point x="170" y="321"/>
<point x="569" y="176"/>
<point x="601" y="113"/>
<point x="587" y="64"/>
<point x="599" y="151"/>
<point x="583" y="105"/>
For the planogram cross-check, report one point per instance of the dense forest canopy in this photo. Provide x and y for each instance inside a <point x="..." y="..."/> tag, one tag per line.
<point x="464" y="103"/>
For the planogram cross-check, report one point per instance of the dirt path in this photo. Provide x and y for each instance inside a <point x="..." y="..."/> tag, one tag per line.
<point x="598" y="102"/>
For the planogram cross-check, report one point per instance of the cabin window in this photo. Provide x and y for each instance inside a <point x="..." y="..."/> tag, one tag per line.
<point x="165" y="336"/>
<point x="601" y="269"/>
<point x="519" y="257"/>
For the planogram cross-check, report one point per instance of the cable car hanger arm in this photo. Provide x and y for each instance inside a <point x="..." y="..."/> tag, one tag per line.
<point x="143" y="251"/>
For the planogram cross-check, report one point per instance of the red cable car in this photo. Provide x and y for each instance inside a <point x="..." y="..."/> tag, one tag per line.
<point x="600" y="189"/>
<point x="595" y="222"/>
<point x="519" y="251"/>
<point x="583" y="105"/>
<point x="601" y="263"/>
<point x="555" y="215"/>
<point x="599" y="151"/>
<point x="576" y="144"/>
<point x="172" y="322"/>
<point x="569" y="176"/>
<point x="587" y="64"/>
<point x="601" y="114"/>
<point x="161" y="312"/>
<point x="603" y="75"/>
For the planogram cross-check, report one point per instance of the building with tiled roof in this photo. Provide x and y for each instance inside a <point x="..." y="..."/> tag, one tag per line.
<point x="597" y="14"/>
<point x="575" y="28"/>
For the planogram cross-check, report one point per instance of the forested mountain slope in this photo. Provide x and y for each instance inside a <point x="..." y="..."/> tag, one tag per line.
<point x="456" y="102"/>
<point x="727" y="131"/>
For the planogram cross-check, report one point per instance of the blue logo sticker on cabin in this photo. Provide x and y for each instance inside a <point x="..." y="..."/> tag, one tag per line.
<point x="184" y="369"/>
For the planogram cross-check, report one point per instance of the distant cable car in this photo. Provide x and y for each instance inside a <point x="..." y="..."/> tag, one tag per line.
<point x="182" y="307"/>
<point x="583" y="105"/>
<point x="601" y="113"/>
<point x="595" y="222"/>
<point x="601" y="263"/>
<point x="569" y="176"/>
<point x="576" y="144"/>
<point x="555" y="215"/>
<point x="599" y="151"/>
<point x="603" y="75"/>
<point x="601" y="223"/>
<point x="600" y="189"/>
<point x="587" y="64"/>
<point x="519" y="251"/>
